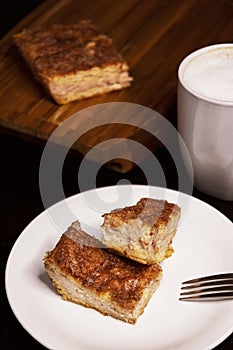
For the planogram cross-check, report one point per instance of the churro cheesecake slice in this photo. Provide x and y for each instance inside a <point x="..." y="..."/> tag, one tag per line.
<point x="73" y="61"/>
<point x="142" y="232"/>
<point x="83" y="271"/>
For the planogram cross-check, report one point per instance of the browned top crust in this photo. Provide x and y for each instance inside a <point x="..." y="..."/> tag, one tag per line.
<point x="152" y="212"/>
<point x="65" y="49"/>
<point x="81" y="257"/>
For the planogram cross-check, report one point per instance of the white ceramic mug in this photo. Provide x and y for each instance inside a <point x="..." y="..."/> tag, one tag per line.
<point x="205" y="117"/>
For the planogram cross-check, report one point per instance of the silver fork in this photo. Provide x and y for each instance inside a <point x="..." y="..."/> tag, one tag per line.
<point x="208" y="288"/>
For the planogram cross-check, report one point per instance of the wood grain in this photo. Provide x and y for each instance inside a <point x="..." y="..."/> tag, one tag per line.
<point x="152" y="35"/>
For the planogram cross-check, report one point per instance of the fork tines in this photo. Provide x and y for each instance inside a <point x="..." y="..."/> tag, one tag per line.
<point x="214" y="287"/>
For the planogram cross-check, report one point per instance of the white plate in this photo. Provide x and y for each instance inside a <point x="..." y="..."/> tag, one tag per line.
<point x="203" y="245"/>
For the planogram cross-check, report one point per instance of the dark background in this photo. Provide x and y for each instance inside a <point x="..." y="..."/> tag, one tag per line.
<point x="12" y="11"/>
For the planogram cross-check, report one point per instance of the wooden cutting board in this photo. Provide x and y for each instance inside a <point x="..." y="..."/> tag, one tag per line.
<point x="149" y="34"/>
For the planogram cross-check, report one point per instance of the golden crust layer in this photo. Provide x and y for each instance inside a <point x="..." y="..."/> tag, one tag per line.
<point x="152" y="212"/>
<point x="142" y="232"/>
<point x="65" y="49"/>
<point x="83" y="259"/>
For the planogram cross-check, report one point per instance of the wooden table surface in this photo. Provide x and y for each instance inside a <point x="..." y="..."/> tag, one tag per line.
<point x="154" y="36"/>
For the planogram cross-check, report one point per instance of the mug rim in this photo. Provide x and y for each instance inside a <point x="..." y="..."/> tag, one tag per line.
<point x="184" y="63"/>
